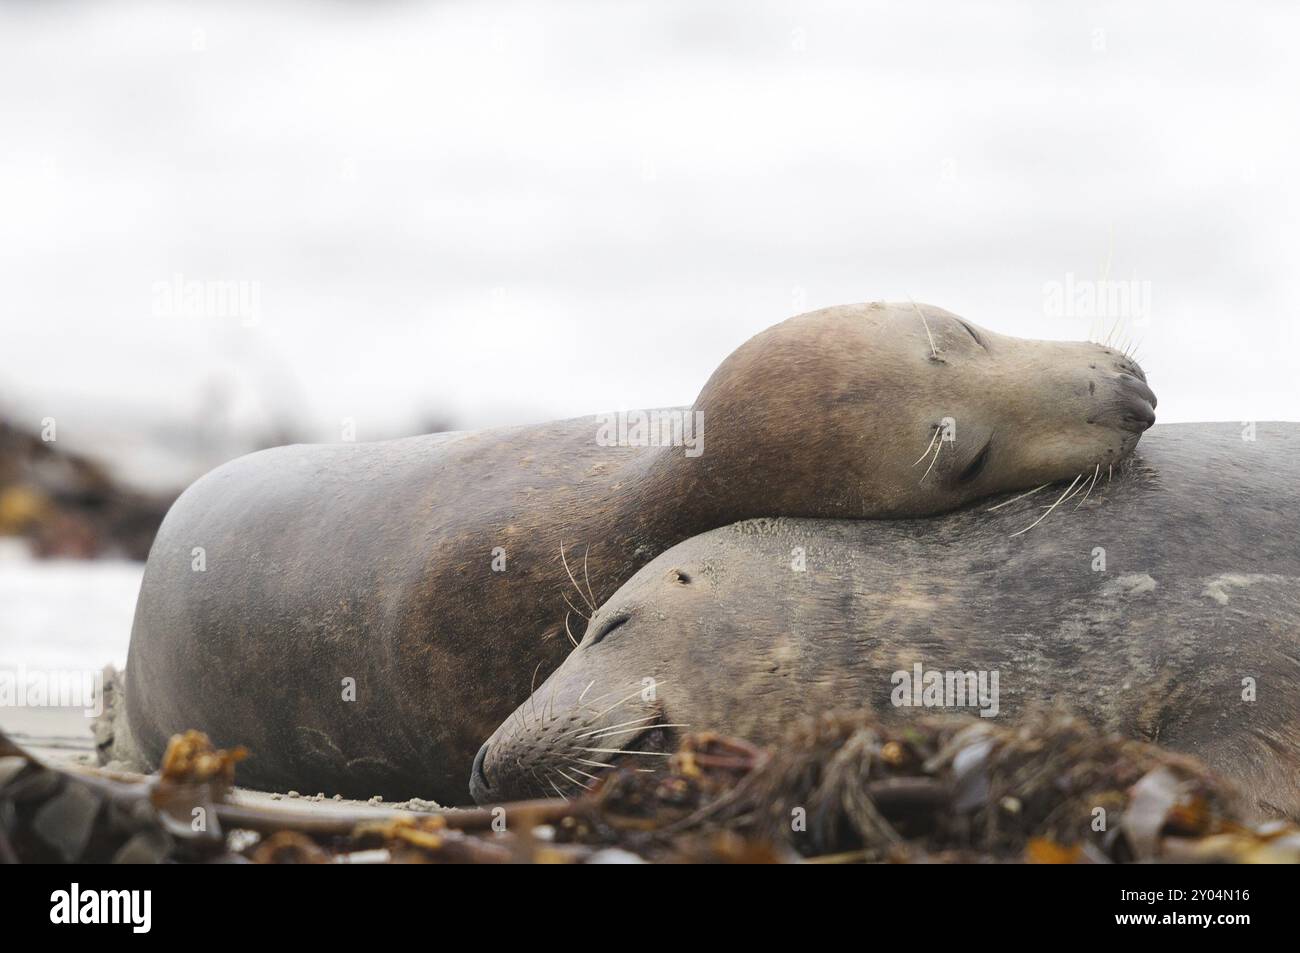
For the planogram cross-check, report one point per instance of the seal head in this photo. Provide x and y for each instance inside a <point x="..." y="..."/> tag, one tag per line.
<point x="892" y="410"/>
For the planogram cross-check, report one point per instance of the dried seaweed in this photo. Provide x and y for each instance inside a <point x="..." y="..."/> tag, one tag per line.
<point x="840" y="788"/>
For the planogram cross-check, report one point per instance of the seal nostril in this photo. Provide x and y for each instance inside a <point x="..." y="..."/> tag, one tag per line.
<point x="1138" y="417"/>
<point x="1133" y="405"/>
<point x="478" y="780"/>
<point x="1139" y="388"/>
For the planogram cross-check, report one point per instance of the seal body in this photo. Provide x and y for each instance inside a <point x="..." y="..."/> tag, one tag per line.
<point x="1165" y="607"/>
<point x="319" y="603"/>
<point x="362" y="616"/>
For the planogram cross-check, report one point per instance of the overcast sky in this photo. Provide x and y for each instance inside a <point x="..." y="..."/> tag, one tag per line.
<point x="493" y="212"/>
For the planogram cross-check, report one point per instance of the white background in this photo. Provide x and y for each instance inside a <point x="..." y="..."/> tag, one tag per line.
<point x="481" y="213"/>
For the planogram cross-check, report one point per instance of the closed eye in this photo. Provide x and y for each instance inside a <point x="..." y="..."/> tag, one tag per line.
<point x="976" y="466"/>
<point x="971" y="332"/>
<point x="607" y="628"/>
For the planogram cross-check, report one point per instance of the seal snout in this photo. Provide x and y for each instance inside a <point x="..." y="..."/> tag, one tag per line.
<point x="479" y="787"/>
<point x="1137" y="411"/>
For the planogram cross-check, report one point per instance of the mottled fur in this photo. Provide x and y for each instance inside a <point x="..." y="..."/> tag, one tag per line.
<point x="1201" y="590"/>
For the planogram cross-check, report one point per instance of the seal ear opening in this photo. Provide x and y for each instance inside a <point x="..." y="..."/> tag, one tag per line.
<point x="679" y="576"/>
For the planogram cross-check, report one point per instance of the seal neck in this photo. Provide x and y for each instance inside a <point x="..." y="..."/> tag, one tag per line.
<point x="668" y="495"/>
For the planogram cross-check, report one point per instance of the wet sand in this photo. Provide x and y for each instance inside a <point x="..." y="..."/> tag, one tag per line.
<point x="53" y="734"/>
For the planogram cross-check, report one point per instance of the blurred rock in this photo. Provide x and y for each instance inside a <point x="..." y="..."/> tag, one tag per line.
<point x="65" y="505"/>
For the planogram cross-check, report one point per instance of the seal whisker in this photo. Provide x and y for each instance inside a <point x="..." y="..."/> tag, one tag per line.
<point x="537" y="778"/>
<point x="937" y="450"/>
<point x="586" y="578"/>
<point x="930" y="447"/>
<point x="1076" y="492"/>
<point x="624" y="701"/>
<point x="1049" y="511"/>
<point x="572" y="580"/>
<point x="617" y="688"/>
<point x="623" y="731"/>
<point x="532" y="689"/>
<point x="1015" y="498"/>
<point x="1093" y="482"/>
<point x="568" y="603"/>
<point x="585" y="690"/>
<point x="651" y="754"/>
<point x="567" y="632"/>
<point x="1114" y="329"/>
<point x="934" y="351"/>
<point x="561" y="772"/>
<point x="585" y="774"/>
<point x="588" y="730"/>
<point x="617" y="705"/>
<point x="556" y="788"/>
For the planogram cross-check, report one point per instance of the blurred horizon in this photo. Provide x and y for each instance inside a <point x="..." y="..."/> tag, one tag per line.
<point x="468" y="215"/>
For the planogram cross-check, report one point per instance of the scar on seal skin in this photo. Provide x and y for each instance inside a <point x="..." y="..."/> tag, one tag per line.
<point x="1186" y="634"/>
<point x="353" y="589"/>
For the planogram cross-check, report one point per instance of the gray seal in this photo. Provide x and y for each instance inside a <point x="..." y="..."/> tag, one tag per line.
<point x="362" y="616"/>
<point x="1164" y="605"/>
